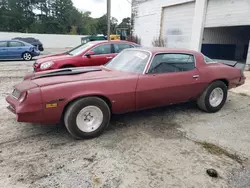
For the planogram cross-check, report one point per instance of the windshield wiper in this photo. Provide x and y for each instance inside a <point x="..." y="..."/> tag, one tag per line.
<point x="67" y="71"/>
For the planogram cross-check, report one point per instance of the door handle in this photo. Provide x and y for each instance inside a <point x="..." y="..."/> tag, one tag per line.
<point x="109" y="57"/>
<point x="196" y="76"/>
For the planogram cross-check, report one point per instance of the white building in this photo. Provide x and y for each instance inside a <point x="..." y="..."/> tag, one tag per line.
<point x="218" y="28"/>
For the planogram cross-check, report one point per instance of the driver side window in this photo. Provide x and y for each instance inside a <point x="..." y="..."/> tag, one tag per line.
<point x="102" y="49"/>
<point x="166" y="63"/>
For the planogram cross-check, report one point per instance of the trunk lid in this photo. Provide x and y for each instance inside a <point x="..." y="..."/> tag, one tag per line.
<point x="235" y="64"/>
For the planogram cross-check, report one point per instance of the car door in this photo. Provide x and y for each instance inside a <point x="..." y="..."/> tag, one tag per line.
<point x="3" y="49"/>
<point x="15" y="49"/>
<point x="99" y="55"/>
<point x="171" y="78"/>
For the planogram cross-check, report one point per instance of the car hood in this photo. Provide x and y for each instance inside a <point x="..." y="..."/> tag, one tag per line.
<point x="78" y="74"/>
<point x="56" y="57"/>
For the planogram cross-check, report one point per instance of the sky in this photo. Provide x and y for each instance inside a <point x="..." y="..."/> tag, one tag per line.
<point x="119" y="8"/>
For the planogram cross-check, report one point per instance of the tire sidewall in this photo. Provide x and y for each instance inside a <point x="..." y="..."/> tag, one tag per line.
<point x="217" y="84"/>
<point x="78" y="106"/>
<point x="27" y="59"/>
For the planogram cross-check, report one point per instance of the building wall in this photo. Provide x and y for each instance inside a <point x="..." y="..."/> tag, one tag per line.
<point x="227" y="13"/>
<point x="148" y="18"/>
<point x="248" y="56"/>
<point x="48" y="40"/>
<point x="218" y="13"/>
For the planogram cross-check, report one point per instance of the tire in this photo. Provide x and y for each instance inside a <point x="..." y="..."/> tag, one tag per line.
<point x="27" y="56"/>
<point x="40" y="48"/>
<point x="92" y="110"/>
<point x="208" y="100"/>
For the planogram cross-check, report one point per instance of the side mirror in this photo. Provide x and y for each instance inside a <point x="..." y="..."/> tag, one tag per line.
<point x="90" y="53"/>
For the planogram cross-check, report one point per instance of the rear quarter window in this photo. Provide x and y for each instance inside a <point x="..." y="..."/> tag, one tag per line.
<point x="208" y="60"/>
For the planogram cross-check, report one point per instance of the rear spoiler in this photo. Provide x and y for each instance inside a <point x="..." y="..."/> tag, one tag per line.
<point x="234" y="64"/>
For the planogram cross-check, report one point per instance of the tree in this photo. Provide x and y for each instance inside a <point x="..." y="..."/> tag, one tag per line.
<point x="102" y="25"/>
<point x="52" y="16"/>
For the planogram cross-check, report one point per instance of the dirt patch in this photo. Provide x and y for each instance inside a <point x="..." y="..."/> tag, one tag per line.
<point x="151" y="148"/>
<point x="217" y="150"/>
<point x="243" y="94"/>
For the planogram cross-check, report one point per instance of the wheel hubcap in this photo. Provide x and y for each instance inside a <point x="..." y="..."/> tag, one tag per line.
<point x="89" y="119"/>
<point x="216" y="97"/>
<point x="27" y="56"/>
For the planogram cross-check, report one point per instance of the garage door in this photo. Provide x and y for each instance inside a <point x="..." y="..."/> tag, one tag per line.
<point x="177" y="25"/>
<point x="227" y="13"/>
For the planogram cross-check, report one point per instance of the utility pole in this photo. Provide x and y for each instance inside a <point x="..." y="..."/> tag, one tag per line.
<point x="108" y="17"/>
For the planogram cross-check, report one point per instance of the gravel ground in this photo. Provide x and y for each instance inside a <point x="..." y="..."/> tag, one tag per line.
<point x="164" y="147"/>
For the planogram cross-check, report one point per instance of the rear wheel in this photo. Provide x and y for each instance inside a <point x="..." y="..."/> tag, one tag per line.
<point x="87" y="117"/>
<point x="214" y="97"/>
<point x="27" y="56"/>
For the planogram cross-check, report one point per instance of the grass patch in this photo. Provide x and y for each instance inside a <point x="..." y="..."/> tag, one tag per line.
<point x="217" y="150"/>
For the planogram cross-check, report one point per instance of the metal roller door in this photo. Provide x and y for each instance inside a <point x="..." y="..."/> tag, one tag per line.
<point x="227" y="13"/>
<point x="177" y="25"/>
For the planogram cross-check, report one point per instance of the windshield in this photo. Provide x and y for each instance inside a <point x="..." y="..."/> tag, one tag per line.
<point x="79" y="49"/>
<point x="132" y="61"/>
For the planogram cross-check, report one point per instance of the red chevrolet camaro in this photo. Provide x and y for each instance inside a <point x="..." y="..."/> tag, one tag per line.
<point x="93" y="53"/>
<point x="136" y="79"/>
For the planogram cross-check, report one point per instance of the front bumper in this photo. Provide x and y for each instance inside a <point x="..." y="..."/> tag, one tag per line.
<point x="241" y="81"/>
<point x="35" y="53"/>
<point x="32" y="113"/>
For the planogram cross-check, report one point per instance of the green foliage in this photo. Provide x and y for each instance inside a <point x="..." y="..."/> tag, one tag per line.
<point x="52" y="16"/>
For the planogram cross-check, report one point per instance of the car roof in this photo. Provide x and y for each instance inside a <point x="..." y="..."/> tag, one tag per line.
<point x="11" y="40"/>
<point x="165" y="50"/>
<point x="111" y="41"/>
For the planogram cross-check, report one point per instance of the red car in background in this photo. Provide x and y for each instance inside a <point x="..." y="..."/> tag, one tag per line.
<point x="90" y="54"/>
<point x="136" y="79"/>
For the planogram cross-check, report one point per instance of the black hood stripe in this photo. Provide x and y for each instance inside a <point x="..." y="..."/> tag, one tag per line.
<point x="67" y="71"/>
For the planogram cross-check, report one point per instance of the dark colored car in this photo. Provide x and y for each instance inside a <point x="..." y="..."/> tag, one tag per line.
<point x="136" y="79"/>
<point x="90" y="54"/>
<point x="90" y="38"/>
<point x="35" y="42"/>
<point x="15" y="49"/>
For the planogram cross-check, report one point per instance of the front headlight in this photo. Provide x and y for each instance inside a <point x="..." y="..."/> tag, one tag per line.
<point x="46" y="65"/>
<point x="22" y="97"/>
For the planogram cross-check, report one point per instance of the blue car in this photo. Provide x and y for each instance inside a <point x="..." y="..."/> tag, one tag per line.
<point x="16" y="49"/>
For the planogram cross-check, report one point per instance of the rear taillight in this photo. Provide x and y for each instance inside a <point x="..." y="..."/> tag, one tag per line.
<point x="242" y="72"/>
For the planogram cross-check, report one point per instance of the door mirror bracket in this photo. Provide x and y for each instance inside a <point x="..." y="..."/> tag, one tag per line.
<point x="90" y="53"/>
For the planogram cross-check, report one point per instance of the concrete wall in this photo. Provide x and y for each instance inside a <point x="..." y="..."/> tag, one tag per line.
<point x="48" y="40"/>
<point x="148" y="18"/>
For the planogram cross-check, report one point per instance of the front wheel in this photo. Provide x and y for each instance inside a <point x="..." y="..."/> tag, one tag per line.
<point x="27" y="56"/>
<point x="87" y="117"/>
<point x="214" y="97"/>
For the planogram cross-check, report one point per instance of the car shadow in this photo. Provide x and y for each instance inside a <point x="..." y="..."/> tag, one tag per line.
<point x="158" y="122"/>
<point x="4" y="60"/>
<point x="19" y="60"/>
